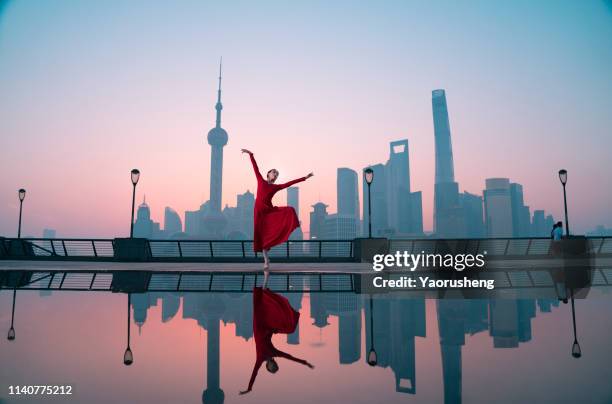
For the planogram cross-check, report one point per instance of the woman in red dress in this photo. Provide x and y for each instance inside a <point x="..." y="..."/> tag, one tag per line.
<point x="272" y="224"/>
<point x="272" y="314"/>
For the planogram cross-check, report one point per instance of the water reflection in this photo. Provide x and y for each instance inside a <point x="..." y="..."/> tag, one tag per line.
<point x="391" y="325"/>
<point x="272" y="314"/>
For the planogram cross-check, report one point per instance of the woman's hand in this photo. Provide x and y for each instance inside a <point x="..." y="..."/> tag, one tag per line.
<point x="244" y="392"/>
<point x="246" y="151"/>
<point x="309" y="175"/>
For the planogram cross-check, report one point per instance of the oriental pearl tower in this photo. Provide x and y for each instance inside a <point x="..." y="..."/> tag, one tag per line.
<point x="214" y="220"/>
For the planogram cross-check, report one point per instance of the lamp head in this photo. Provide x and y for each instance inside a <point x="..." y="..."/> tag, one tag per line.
<point x="11" y="334"/>
<point x="563" y="176"/>
<point x="128" y="357"/>
<point x="135" y="176"/>
<point x="368" y="174"/>
<point x="372" y="357"/>
<point x="576" y="351"/>
<point x="22" y="193"/>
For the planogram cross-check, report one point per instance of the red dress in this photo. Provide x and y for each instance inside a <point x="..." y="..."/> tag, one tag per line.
<point x="272" y="313"/>
<point x="272" y="224"/>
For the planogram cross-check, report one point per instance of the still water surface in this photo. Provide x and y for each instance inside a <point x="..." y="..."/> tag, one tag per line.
<point x="428" y="351"/>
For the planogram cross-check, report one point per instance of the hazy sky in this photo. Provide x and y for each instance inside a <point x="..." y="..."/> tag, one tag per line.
<point x="91" y="89"/>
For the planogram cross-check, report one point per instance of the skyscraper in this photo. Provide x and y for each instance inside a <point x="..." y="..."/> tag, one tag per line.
<point x="449" y="219"/>
<point x="347" y="192"/>
<point x="396" y="211"/>
<point x="520" y="212"/>
<point x="172" y="222"/>
<point x="445" y="171"/>
<point x="293" y="200"/>
<point x="214" y="221"/>
<point x="498" y="207"/>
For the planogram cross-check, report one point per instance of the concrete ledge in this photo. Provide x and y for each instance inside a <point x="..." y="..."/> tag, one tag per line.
<point x="3" y="251"/>
<point x="131" y="249"/>
<point x="20" y="248"/>
<point x="364" y="249"/>
<point x="130" y="281"/>
<point x="15" y="279"/>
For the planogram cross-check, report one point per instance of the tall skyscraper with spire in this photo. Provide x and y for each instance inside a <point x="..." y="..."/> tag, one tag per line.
<point x="449" y="219"/>
<point x="445" y="171"/>
<point x="214" y="221"/>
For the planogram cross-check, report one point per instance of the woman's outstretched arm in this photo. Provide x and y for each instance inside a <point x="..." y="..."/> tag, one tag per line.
<point x="295" y="181"/>
<point x="253" y="376"/>
<point x="285" y="355"/>
<point x="255" y="167"/>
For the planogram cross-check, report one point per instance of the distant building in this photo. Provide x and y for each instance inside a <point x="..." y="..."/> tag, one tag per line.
<point x="600" y="231"/>
<point x="404" y="207"/>
<point x="317" y="220"/>
<point x="339" y="227"/>
<point x="293" y="200"/>
<point x="347" y="192"/>
<point x="498" y="207"/>
<point x="172" y="222"/>
<point x="214" y="222"/>
<point x="240" y="218"/>
<point x="449" y="218"/>
<point x="541" y="224"/>
<point x="48" y="233"/>
<point x="143" y="226"/>
<point x="472" y="208"/>
<point x="520" y="213"/>
<point x="396" y="211"/>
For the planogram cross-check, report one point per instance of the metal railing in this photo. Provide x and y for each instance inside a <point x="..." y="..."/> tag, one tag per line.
<point x="181" y="250"/>
<point x="175" y="281"/>
<point x="293" y="250"/>
<point x="526" y="247"/>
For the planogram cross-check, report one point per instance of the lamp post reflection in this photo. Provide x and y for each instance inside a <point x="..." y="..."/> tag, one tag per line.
<point x="576" y="351"/>
<point x="372" y="357"/>
<point x="11" y="332"/>
<point x="128" y="357"/>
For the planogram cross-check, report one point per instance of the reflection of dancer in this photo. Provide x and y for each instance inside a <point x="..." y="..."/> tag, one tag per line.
<point x="272" y="224"/>
<point x="272" y="314"/>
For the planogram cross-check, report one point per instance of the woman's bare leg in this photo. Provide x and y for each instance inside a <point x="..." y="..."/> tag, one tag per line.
<point x="265" y="282"/>
<point x="266" y="267"/>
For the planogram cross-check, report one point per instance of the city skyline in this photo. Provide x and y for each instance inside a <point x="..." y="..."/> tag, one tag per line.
<point x="153" y="114"/>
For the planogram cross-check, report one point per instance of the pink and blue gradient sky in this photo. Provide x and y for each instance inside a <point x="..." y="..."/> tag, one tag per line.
<point x="90" y="90"/>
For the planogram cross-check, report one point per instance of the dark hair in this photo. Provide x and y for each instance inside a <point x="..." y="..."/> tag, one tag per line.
<point x="560" y="224"/>
<point x="271" y="365"/>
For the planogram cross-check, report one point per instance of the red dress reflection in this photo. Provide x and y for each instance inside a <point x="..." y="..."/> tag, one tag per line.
<point x="272" y="314"/>
<point x="272" y="224"/>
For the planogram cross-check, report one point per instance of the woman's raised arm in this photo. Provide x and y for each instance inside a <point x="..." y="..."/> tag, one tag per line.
<point x="254" y="163"/>
<point x="295" y="181"/>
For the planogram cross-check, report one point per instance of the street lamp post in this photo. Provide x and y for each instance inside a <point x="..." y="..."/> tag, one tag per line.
<point x="369" y="177"/>
<point x="22" y="194"/>
<point x="135" y="178"/>
<point x="128" y="356"/>
<point x="372" y="356"/>
<point x="563" y="179"/>
<point x="576" y="351"/>
<point x="11" y="334"/>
